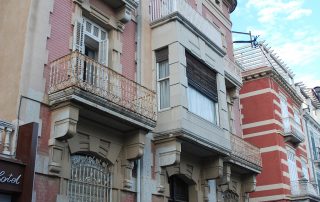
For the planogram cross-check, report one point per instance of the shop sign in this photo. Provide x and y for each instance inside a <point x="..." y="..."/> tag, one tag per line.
<point x="11" y="176"/>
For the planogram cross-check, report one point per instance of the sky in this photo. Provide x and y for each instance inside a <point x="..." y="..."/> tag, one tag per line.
<point x="290" y="27"/>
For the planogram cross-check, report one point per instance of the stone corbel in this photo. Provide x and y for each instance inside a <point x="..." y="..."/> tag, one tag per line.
<point x="226" y="175"/>
<point x="127" y="167"/>
<point x="161" y="188"/>
<point x="167" y="154"/>
<point x="213" y="168"/>
<point x="124" y="14"/>
<point x="64" y="122"/>
<point x="134" y="145"/>
<point x="205" y="190"/>
<point x="249" y="183"/>
<point x="56" y="157"/>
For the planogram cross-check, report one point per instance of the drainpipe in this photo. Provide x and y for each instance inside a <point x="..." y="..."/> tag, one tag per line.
<point x="139" y="27"/>
<point x="138" y="181"/>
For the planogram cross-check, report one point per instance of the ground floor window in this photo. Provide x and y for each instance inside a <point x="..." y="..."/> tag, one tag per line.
<point x="90" y="180"/>
<point x="179" y="189"/>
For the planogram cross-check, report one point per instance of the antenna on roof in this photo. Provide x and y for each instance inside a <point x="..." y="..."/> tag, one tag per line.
<point x="253" y="39"/>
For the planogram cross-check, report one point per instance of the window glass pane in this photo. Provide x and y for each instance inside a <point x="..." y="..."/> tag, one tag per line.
<point x="304" y="169"/>
<point x="95" y="31"/>
<point x="88" y="26"/>
<point x="163" y="69"/>
<point x="103" y="35"/>
<point x="201" y="105"/>
<point x="296" y="117"/>
<point x="164" y="93"/>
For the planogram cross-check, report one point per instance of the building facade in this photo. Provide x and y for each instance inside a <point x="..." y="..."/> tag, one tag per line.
<point x="133" y="100"/>
<point x="311" y="125"/>
<point x="272" y="118"/>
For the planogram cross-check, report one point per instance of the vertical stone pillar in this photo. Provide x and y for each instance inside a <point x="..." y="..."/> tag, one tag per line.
<point x="6" y="145"/>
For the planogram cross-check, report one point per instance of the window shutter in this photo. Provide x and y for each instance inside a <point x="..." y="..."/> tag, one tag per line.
<point x="78" y="38"/>
<point x="162" y="55"/>
<point x="202" y="77"/>
<point x="103" y="52"/>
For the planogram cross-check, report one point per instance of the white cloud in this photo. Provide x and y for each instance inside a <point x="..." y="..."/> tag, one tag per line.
<point x="269" y="10"/>
<point x="299" y="52"/>
<point x="308" y="79"/>
<point x="299" y="13"/>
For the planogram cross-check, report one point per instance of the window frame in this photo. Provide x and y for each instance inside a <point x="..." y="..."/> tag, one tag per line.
<point x="159" y="80"/>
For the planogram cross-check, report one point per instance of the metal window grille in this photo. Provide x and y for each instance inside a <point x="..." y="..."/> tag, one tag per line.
<point x="90" y="180"/>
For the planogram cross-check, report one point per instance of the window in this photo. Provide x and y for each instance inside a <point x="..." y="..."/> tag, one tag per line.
<point x="202" y="89"/>
<point x="201" y="105"/>
<point x="90" y="179"/>
<point x="178" y="190"/>
<point x="293" y="170"/>
<point x="296" y="116"/>
<point x="91" y="39"/>
<point x="304" y="169"/>
<point x="163" y="78"/>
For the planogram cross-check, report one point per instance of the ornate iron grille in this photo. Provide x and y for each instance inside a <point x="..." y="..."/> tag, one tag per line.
<point x="90" y="180"/>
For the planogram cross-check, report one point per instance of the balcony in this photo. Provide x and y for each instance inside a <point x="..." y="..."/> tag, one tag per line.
<point x="245" y="153"/>
<point x="292" y="130"/>
<point x="166" y="9"/>
<point x="302" y="190"/>
<point x="80" y="78"/>
<point x="7" y="139"/>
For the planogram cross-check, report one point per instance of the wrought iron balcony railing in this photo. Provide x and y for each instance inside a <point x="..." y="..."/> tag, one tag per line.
<point x="163" y="8"/>
<point x="8" y="139"/>
<point x="245" y="151"/>
<point x="78" y="70"/>
<point x="292" y="129"/>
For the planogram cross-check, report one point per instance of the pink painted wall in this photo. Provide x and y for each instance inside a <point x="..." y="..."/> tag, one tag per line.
<point x="129" y="51"/>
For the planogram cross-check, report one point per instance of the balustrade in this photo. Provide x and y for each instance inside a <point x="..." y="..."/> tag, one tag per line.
<point x="7" y="139"/>
<point x="245" y="151"/>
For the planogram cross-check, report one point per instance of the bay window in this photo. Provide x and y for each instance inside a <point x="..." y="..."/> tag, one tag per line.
<point x="202" y="89"/>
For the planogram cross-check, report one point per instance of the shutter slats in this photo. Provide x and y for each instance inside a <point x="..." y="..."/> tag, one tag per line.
<point x="162" y="55"/>
<point x="201" y="77"/>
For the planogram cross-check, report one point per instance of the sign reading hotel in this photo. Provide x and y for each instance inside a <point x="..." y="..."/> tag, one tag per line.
<point x="11" y="175"/>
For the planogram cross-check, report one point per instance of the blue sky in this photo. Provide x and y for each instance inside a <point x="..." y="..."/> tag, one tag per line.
<point x="290" y="27"/>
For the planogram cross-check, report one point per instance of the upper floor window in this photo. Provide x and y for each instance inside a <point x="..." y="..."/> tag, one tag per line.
<point x="296" y="116"/>
<point x="202" y="89"/>
<point x="91" y="39"/>
<point x="163" y="78"/>
<point x="284" y="107"/>
<point x="304" y="169"/>
<point x="293" y="173"/>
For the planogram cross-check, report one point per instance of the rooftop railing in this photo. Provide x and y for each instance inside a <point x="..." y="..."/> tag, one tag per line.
<point x="163" y="8"/>
<point x="78" y="70"/>
<point x="245" y="151"/>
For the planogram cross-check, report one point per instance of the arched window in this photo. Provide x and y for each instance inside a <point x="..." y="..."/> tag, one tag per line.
<point x="90" y="180"/>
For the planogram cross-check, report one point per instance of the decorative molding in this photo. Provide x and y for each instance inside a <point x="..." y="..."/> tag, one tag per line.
<point x="270" y="72"/>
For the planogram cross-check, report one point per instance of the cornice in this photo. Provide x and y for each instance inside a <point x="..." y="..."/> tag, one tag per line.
<point x="272" y="73"/>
